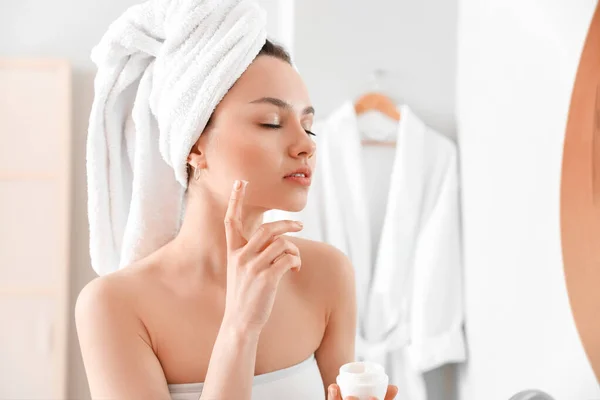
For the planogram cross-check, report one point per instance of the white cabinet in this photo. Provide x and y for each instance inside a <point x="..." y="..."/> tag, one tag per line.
<point x="35" y="185"/>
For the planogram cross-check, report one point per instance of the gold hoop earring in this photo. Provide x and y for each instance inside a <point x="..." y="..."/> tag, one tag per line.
<point x="197" y="172"/>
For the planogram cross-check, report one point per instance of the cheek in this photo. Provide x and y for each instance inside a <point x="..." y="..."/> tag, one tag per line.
<point x="258" y="155"/>
<point x="244" y="151"/>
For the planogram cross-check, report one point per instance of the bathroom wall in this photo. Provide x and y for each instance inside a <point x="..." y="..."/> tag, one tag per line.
<point x="338" y="44"/>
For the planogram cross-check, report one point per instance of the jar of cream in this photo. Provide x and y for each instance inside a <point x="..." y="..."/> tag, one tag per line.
<point x="362" y="379"/>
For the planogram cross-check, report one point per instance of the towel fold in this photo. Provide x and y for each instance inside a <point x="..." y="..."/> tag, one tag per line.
<point x="163" y="66"/>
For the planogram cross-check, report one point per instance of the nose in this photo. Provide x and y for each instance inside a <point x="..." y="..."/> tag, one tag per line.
<point x="303" y="145"/>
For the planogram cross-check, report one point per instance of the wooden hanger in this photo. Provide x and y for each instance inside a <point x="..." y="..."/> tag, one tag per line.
<point x="374" y="100"/>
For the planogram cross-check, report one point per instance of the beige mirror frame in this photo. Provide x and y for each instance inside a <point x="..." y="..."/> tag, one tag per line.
<point x="580" y="197"/>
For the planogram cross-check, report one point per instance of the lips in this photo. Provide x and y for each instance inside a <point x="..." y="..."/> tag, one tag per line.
<point x="301" y="176"/>
<point x="303" y="172"/>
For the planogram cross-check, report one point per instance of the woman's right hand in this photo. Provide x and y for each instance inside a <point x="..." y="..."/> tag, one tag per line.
<point x="255" y="266"/>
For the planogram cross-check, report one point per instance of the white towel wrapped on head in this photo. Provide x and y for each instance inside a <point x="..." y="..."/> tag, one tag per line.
<point x="163" y="66"/>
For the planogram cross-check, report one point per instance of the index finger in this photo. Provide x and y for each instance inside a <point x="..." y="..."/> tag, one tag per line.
<point x="391" y="392"/>
<point x="233" y="216"/>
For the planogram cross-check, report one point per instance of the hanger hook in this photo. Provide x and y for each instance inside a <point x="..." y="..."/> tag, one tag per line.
<point x="376" y="76"/>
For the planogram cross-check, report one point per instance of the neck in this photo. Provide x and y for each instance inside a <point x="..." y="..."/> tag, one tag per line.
<point x="201" y="243"/>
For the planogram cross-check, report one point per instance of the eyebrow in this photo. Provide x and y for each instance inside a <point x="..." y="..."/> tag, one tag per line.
<point x="282" y="104"/>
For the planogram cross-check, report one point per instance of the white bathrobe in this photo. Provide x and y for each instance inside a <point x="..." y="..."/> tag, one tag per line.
<point x="409" y="293"/>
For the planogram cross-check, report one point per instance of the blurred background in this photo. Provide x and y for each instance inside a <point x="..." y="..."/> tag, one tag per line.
<point x="496" y="77"/>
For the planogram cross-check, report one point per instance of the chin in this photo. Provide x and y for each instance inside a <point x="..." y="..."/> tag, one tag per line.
<point x="294" y="208"/>
<point x="291" y="204"/>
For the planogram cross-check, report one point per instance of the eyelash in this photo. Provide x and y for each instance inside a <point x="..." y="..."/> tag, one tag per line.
<point x="272" y="126"/>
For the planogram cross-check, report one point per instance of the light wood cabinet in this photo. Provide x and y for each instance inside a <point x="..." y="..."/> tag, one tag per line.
<point x="35" y="197"/>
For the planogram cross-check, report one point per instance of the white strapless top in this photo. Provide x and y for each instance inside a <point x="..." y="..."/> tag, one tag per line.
<point x="299" y="382"/>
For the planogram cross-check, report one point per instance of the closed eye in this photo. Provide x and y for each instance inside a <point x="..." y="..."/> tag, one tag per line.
<point x="271" y="126"/>
<point x="275" y="126"/>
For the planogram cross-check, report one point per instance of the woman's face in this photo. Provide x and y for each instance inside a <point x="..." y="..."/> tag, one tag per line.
<point x="260" y="132"/>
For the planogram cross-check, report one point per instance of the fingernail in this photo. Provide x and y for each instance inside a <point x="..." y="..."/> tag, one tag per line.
<point x="245" y="184"/>
<point x="237" y="185"/>
<point x="300" y="224"/>
<point x="332" y="391"/>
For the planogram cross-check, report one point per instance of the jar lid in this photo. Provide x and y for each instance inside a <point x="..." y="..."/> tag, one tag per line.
<point x="364" y="372"/>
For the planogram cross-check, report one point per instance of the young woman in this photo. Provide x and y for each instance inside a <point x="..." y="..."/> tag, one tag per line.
<point x="231" y="302"/>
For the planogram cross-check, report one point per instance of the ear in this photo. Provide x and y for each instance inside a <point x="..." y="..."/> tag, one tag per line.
<point x="197" y="156"/>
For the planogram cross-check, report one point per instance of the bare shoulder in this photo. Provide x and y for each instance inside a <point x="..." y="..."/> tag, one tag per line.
<point x="322" y="254"/>
<point x="114" y="341"/>
<point x="325" y="266"/>
<point x="98" y="294"/>
<point x="109" y="299"/>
